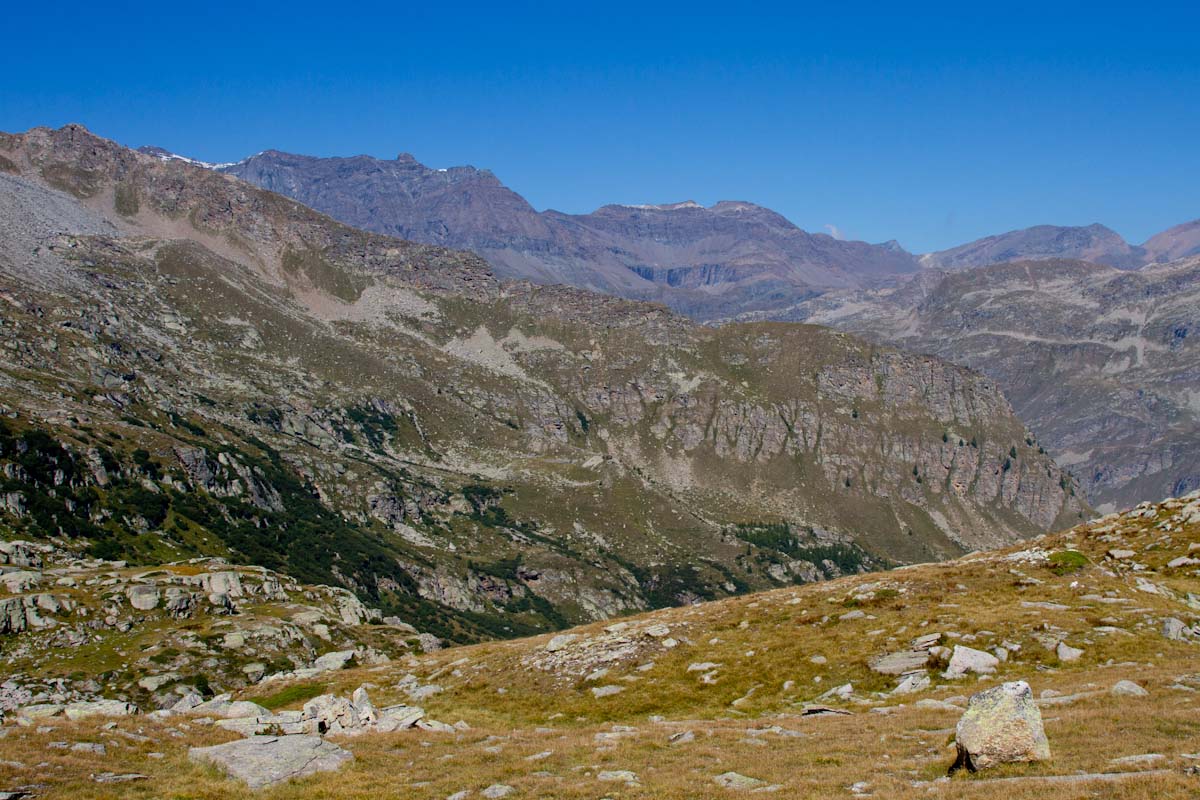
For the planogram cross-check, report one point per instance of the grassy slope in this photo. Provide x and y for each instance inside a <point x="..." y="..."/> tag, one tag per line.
<point x="517" y="710"/>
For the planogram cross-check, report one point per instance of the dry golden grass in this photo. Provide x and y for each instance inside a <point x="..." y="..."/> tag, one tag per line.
<point x="900" y="749"/>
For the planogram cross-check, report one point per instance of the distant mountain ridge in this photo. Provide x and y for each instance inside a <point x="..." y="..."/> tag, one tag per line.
<point x="705" y="262"/>
<point x="1095" y="243"/>
<point x="709" y="263"/>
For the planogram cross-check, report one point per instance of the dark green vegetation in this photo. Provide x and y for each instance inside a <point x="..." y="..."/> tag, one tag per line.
<point x="114" y="503"/>
<point x="1065" y="562"/>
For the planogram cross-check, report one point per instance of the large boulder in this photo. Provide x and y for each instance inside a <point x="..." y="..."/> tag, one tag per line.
<point x="338" y="659"/>
<point x="1175" y="629"/>
<point x="264" y="760"/>
<point x="1000" y="725"/>
<point x="143" y="597"/>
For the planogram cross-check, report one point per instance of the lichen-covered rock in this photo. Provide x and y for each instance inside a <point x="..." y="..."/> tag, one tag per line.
<point x="1001" y="725"/>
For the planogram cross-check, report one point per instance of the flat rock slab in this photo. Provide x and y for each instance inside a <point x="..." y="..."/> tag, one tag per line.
<point x="901" y="662"/>
<point x="265" y="760"/>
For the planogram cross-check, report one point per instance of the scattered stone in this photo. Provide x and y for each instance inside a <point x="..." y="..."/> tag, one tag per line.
<point x="843" y="692"/>
<point x="333" y="661"/>
<point x="1175" y="629"/>
<point x="1144" y="759"/>
<point x="561" y="642"/>
<point x="968" y="659"/>
<point x="153" y="683"/>
<point x="621" y="775"/>
<point x="900" y="663"/>
<point x="113" y="777"/>
<point x="143" y="597"/>
<point x="737" y="781"/>
<point x="913" y="682"/>
<point x="813" y="710"/>
<point x="1000" y="725"/>
<point x="606" y="691"/>
<point x="497" y="790"/>
<point x="265" y="760"/>
<point x="1067" y="653"/>
<point x="99" y="708"/>
<point x="1128" y="689"/>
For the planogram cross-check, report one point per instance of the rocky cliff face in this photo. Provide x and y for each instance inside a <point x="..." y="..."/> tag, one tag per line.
<point x="702" y="261"/>
<point x="1103" y="364"/>
<point x="192" y="366"/>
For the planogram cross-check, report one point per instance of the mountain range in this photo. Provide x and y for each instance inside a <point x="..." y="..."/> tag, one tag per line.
<point x="706" y="262"/>
<point x="1102" y="363"/>
<point x="1080" y="371"/>
<point x="193" y="366"/>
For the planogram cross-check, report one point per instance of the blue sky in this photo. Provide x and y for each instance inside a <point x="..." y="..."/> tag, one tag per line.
<point x="931" y="125"/>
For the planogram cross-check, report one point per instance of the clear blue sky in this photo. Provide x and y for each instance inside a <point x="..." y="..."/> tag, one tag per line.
<point x="931" y="126"/>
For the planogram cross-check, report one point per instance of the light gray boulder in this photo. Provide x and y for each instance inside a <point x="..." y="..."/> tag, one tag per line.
<point x="265" y="760"/>
<point x="1175" y="629"/>
<point x="143" y="597"/>
<point x="1067" y="653"/>
<point x="912" y="682"/>
<point x="900" y="663"/>
<point x="968" y="659"/>
<point x="1127" y="689"/>
<point x="396" y="718"/>
<point x="333" y="661"/>
<point x="99" y="708"/>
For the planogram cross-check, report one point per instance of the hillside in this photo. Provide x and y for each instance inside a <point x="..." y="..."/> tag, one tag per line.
<point x="196" y="367"/>
<point x="850" y="687"/>
<point x="1124" y="423"/>
<point x="1101" y="363"/>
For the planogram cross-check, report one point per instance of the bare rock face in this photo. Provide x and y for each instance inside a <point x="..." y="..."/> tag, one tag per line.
<point x="1000" y="726"/>
<point x="265" y="760"/>
<point x="1097" y="360"/>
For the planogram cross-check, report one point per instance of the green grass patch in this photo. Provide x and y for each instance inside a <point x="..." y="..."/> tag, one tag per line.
<point x="1064" y="562"/>
<point x="298" y="693"/>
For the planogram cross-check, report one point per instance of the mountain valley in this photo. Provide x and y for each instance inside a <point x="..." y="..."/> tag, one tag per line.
<point x="1104" y="375"/>
<point x="195" y="367"/>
